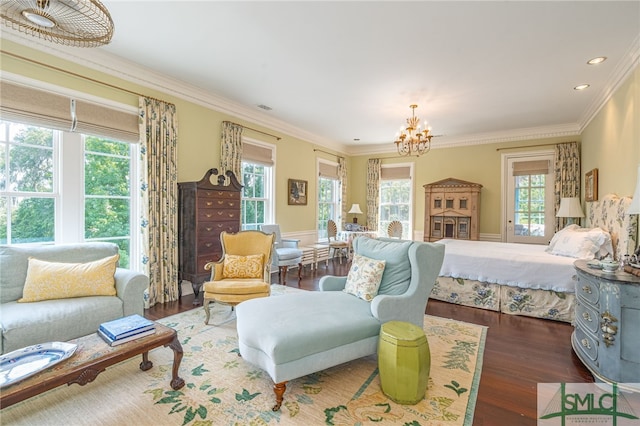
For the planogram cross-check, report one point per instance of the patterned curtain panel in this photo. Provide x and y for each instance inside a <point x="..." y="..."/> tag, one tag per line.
<point x="159" y="196"/>
<point x="231" y="149"/>
<point x="373" y="193"/>
<point x="342" y="175"/>
<point x="567" y="180"/>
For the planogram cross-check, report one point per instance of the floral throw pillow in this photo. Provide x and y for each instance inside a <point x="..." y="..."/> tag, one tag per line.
<point x="242" y="266"/>
<point x="364" y="277"/>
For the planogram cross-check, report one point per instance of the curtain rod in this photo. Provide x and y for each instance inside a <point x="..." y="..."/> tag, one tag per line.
<point x="327" y="152"/>
<point x="255" y="130"/>
<point x="526" y="146"/>
<point x="83" y="77"/>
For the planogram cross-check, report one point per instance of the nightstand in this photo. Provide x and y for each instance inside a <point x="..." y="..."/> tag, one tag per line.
<point x="607" y="325"/>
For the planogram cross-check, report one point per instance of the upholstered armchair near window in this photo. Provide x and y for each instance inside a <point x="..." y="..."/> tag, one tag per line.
<point x="242" y="273"/>
<point x="285" y="254"/>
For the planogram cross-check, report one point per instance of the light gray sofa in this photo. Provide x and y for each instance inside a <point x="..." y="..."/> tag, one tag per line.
<point x="297" y="334"/>
<point x="24" y="324"/>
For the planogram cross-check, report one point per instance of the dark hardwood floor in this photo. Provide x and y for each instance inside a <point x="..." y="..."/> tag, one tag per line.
<point x="520" y="352"/>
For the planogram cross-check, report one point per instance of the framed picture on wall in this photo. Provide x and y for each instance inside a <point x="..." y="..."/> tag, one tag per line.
<point x="591" y="185"/>
<point x="297" y="193"/>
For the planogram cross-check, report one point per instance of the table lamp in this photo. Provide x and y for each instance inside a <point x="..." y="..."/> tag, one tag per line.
<point x="355" y="209"/>
<point x="570" y="208"/>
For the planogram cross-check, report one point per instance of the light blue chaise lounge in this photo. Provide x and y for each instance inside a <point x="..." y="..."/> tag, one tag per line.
<point x="293" y="335"/>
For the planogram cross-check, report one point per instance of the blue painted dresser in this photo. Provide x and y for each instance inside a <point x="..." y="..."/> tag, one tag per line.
<point x="607" y="325"/>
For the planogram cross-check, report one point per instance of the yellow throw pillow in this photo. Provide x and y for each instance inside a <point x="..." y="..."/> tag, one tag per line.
<point x="51" y="280"/>
<point x="242" y="266"/>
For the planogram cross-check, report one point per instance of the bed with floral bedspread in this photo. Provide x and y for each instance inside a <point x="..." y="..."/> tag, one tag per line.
<point x="531" y="287"/>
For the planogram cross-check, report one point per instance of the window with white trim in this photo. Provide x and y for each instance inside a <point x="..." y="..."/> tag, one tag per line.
<point x="329" y="194"/>
<point x="59" y="186"/>
<point x="257" y="181"/>
<point x="396" y="185"/>
<point x="63" y="187"/>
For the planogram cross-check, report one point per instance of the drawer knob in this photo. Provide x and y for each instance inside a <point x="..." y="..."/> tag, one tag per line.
<point x="586" y="316"/>
<point x="585" y="343"/>
<point x="208" y="229"/>
<point x="208" y="215"/>
<point x="586" y="289"/>
<point x="209" y="244"/>
<point x="209" y="203"/>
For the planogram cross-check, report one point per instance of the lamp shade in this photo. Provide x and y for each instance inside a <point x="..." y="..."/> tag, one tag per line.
<point x="570" y="207"/>
<point x="355" y="209"/>
<point x="634" y="207"/>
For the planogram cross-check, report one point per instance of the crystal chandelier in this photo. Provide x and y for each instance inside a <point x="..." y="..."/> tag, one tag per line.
<point x="411" y="140"/>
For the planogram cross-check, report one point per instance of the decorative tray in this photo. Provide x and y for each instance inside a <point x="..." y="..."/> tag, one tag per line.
<point x="25" y="362"/>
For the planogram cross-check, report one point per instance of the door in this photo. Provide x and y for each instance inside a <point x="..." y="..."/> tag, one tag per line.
<point x="529" y="212"/>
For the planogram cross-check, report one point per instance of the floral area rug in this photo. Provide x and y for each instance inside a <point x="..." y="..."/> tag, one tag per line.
<point x="222" y="389"/>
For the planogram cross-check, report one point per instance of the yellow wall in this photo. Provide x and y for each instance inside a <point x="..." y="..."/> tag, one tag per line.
<point x="477" y="163"/>
<point x="199" y="129"/>
<point x="610" y="143"/>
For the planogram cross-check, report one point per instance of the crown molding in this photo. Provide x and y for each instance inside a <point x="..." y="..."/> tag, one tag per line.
<point x="135" y="73"/>
<point x="545" y="132"/>
<point x="146" y="77"/>
<point x="618" y="76"/>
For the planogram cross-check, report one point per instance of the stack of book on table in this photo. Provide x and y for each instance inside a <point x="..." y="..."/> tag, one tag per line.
<point x="125" y="329"/>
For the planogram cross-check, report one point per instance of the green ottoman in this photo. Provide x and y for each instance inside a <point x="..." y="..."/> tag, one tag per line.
<point x="404" y="361"/>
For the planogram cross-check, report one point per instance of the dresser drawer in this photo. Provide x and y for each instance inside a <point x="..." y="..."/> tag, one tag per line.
<point x="587" y="290"/>
<point x="209" y="245"/>
<point x="203" y="260"/>
<point x="212" y="230"/>
<point x="218" y="203"/>
<point x="587" y="317"/>
<point x="221" y="195"/>
<point x="217" y="215"/>
<point x="586" y="344"/>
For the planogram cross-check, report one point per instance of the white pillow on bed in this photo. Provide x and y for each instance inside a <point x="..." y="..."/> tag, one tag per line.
<point x="581" y="243"/>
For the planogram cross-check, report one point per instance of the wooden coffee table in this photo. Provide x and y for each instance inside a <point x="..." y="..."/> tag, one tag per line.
<point x="91" y="358"/>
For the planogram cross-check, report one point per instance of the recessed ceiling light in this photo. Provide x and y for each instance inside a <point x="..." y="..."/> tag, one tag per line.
<point x="356" y="139"/>
<point x="596" y="61"/>
<point x="581" y="87"/>
<point x="265" y="107"/>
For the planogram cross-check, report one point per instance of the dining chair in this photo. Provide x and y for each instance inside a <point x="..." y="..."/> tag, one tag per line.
<point x="394" y="230"/>
<point x="335" y="245"/>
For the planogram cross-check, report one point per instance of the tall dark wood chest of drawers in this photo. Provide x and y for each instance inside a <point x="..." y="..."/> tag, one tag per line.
<point x="205" y="209"/>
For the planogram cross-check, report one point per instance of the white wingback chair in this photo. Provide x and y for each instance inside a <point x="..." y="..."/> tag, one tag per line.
<point x="286" y="252"/>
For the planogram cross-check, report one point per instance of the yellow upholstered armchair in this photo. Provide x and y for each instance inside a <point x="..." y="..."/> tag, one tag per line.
<point x="243" y="271"/>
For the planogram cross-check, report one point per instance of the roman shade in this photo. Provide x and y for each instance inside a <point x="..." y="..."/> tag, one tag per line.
<point x="38" y="107"/>
<point x="534" y="167"/>
<point x="393" y="173"/>
<point x="327" y="170"/>
<point x="257" y="154"/>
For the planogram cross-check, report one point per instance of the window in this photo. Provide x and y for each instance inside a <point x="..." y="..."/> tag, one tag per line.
<point x="257" y="181"/>
<point x="529" y="205"/>
<point x="42" y="199"/>
<point x="329" y="196"/>
<point x="395" y="198"/>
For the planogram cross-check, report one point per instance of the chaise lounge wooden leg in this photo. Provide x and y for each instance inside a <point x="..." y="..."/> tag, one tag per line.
<point x="279" y="389"/>
<point x="283" y="275"/>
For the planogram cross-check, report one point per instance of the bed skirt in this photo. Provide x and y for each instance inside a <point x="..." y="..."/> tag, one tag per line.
<point x="502" y="298"/>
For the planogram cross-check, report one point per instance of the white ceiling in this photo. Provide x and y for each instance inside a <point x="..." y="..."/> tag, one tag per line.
<point x="335" y="71"/>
